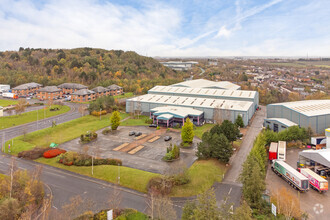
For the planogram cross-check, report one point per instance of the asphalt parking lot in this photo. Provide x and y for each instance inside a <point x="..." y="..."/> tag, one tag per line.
<point x="149" y="158"/>
<point x="315" y="204"/>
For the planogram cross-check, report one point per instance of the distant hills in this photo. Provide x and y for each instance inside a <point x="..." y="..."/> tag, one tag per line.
<point x="87" y="66"/>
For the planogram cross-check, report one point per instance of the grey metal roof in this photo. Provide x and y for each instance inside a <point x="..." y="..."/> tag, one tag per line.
<point x="49" y="89"/>
<point x="283" y="121"/>
<point x="243" y="94"/>
<point x="27" y="86"/>
<point x="194" y="102"/>
<point x="319" y="156"/>
<point x="83" y="92"/>
<point x="100" y="89"/>
<point x="114" y="87"/>
<point x="72" y="86"/>
<point x="203" y="83"/>
<point x="308" y="107"/>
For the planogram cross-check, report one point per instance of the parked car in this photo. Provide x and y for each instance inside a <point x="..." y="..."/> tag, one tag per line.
<point x="153" y="126"/>
<point x="138" y="134"/>
<point x="131" y="133"/>
<point x="167" y="138"/>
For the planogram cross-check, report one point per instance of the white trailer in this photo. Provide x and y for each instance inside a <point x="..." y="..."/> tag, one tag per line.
<point x="281" y="152"/>
<point x="316" y="182"/>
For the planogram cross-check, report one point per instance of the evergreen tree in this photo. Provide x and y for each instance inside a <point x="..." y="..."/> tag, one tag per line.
<point x="187" y="133"/>
<point x="239" y="121"/>
<point x="221" y="149"/>
<point x="227" y="128"/>
<point x="115" y="120"/>
<point x="207" y="206"/>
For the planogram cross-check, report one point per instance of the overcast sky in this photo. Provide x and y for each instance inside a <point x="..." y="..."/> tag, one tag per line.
<point x="170" y="27"/>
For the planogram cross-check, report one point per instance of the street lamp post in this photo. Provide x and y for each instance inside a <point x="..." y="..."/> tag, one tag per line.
<point x="118" y="174"/>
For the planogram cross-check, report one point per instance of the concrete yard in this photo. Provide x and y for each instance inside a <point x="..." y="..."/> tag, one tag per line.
<point x="143" y="153"/>
<point x="312" y="202"/>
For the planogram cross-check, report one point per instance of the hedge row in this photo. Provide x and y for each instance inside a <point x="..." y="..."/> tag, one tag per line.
<point x="73" y="158"/>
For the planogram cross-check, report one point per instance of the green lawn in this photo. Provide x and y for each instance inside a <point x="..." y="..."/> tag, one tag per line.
<point x="59" y="134"/>
<point x="125" y="95"/>
<point x="14" y="120"/>
<point x="203" y="174"/>
<point x="5" y="102"/>
<point x="199" y="131"/>
<point x="135" y="122"/>
<point x="129" y="177"/>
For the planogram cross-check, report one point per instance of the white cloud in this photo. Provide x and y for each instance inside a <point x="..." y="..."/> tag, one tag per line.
<point x="70" y="24"/>
<point x="223" y="32"/>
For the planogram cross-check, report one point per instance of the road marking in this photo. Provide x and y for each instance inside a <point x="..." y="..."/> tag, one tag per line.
<point x="230" y="190"/>
<point x="54" y="207"/>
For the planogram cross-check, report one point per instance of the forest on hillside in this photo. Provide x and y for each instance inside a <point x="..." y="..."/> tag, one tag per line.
<point x="91" y="67"/>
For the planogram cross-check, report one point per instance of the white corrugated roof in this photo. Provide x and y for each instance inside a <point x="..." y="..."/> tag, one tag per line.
<point x="205" y="92"/>
<point x="195" y="102"/>
<point x="319" y="156"/>
<point x="309" y="107"/>
<point x="282" y="121"/>
<point x="203" y="83"/>
<point x="175" y="110"/>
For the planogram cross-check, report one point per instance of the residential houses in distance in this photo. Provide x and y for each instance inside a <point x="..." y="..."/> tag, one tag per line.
<point x="77" y="92"/>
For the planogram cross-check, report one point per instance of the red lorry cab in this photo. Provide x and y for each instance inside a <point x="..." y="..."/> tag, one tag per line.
<point x="273" y="151"/>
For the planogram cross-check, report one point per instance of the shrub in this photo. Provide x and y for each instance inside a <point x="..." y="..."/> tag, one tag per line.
<point x="53" y="153"/>
<point x="88" y="137"/>
<point x="160" y="185"/>
<point x="33" y="154"/>
<point x="54" y="109"/>
<point x="148" y="121"/>
<point x="106" y="131"/>
<point x="157" y="128"/>
<point x="172" y="153"/>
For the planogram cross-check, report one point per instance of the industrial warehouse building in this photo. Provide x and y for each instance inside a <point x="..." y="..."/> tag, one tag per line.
<point x="209" y="102"/>
<point x="309" y="113"/>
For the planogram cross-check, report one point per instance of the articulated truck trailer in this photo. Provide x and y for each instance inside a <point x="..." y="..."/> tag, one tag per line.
<point x="292" y="176"/>
<point x="316" y="182"/>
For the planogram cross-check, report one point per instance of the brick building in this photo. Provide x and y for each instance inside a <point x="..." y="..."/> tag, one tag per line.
<point x="26" y="89"/>
<point x="49" y="93"/>
<point x="69" y="88"/>
<point x="83" y="95"/>
<point x="115" y="89"/>
<point x="101" y="91"/>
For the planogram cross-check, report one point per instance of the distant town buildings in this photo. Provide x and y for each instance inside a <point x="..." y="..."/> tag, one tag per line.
<point x="179" y="65"/>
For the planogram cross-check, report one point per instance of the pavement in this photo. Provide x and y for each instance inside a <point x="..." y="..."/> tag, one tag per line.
<point x="148" y="158"/>
<point x="9" y="133"/>
<point x="229" y="191"/>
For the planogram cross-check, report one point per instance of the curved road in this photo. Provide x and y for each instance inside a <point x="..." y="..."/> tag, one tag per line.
<point x="65" y="184"/>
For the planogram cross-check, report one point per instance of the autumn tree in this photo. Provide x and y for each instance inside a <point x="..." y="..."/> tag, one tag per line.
<point x="187" y="133"/>
<point x="115" y="120"/>
<point x="20" y="106"/>
<point x="287" y="203"/>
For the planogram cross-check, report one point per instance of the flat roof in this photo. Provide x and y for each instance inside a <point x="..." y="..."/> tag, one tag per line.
<point x="194" y="102"/>
<point x="308" y="107"/>
<point x="165" y="116"/>
<point x="204" y="92"/>
<point x="181" y="112"/>
<point x="203" y="83"/>
<point x="282" y="121"/>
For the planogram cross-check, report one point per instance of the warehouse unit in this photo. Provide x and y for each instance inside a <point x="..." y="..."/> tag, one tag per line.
<point x="309" y="113"/>
<point x="213" y="109"/>
<point x="207" y="84"/>
<point x="237" y="95"/>
<point x="278" y="124"/>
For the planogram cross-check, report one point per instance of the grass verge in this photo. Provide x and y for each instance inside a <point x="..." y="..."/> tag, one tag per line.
<point x="199" y="131"/>
<point x="129" y="177"/>
<point x="59" y="134"/>
<point x="135" y="122"/>
<point x="125" y="95"/>
<point x="203" y="174"/>
<point x="14" y="120"/>
<point x="5" y="102"/>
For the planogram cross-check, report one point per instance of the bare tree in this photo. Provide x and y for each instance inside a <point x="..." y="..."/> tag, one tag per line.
<point x="20" y="106"/>
<point x="160" y="207"/>
<point x="217" y="114"/>
<point x="138" y="108"/>
<point x="50" y="102"/>
<point x="82" y="110"/>
<point x="115" y="198"/>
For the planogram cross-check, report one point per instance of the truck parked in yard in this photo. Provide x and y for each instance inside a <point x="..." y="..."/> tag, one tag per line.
<point x="273" y="151"/>
<point x="9" y="95"/>
<point x="281" y="151"/>
<point x="292" y="176"/>
<point x="316" y="182"/>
